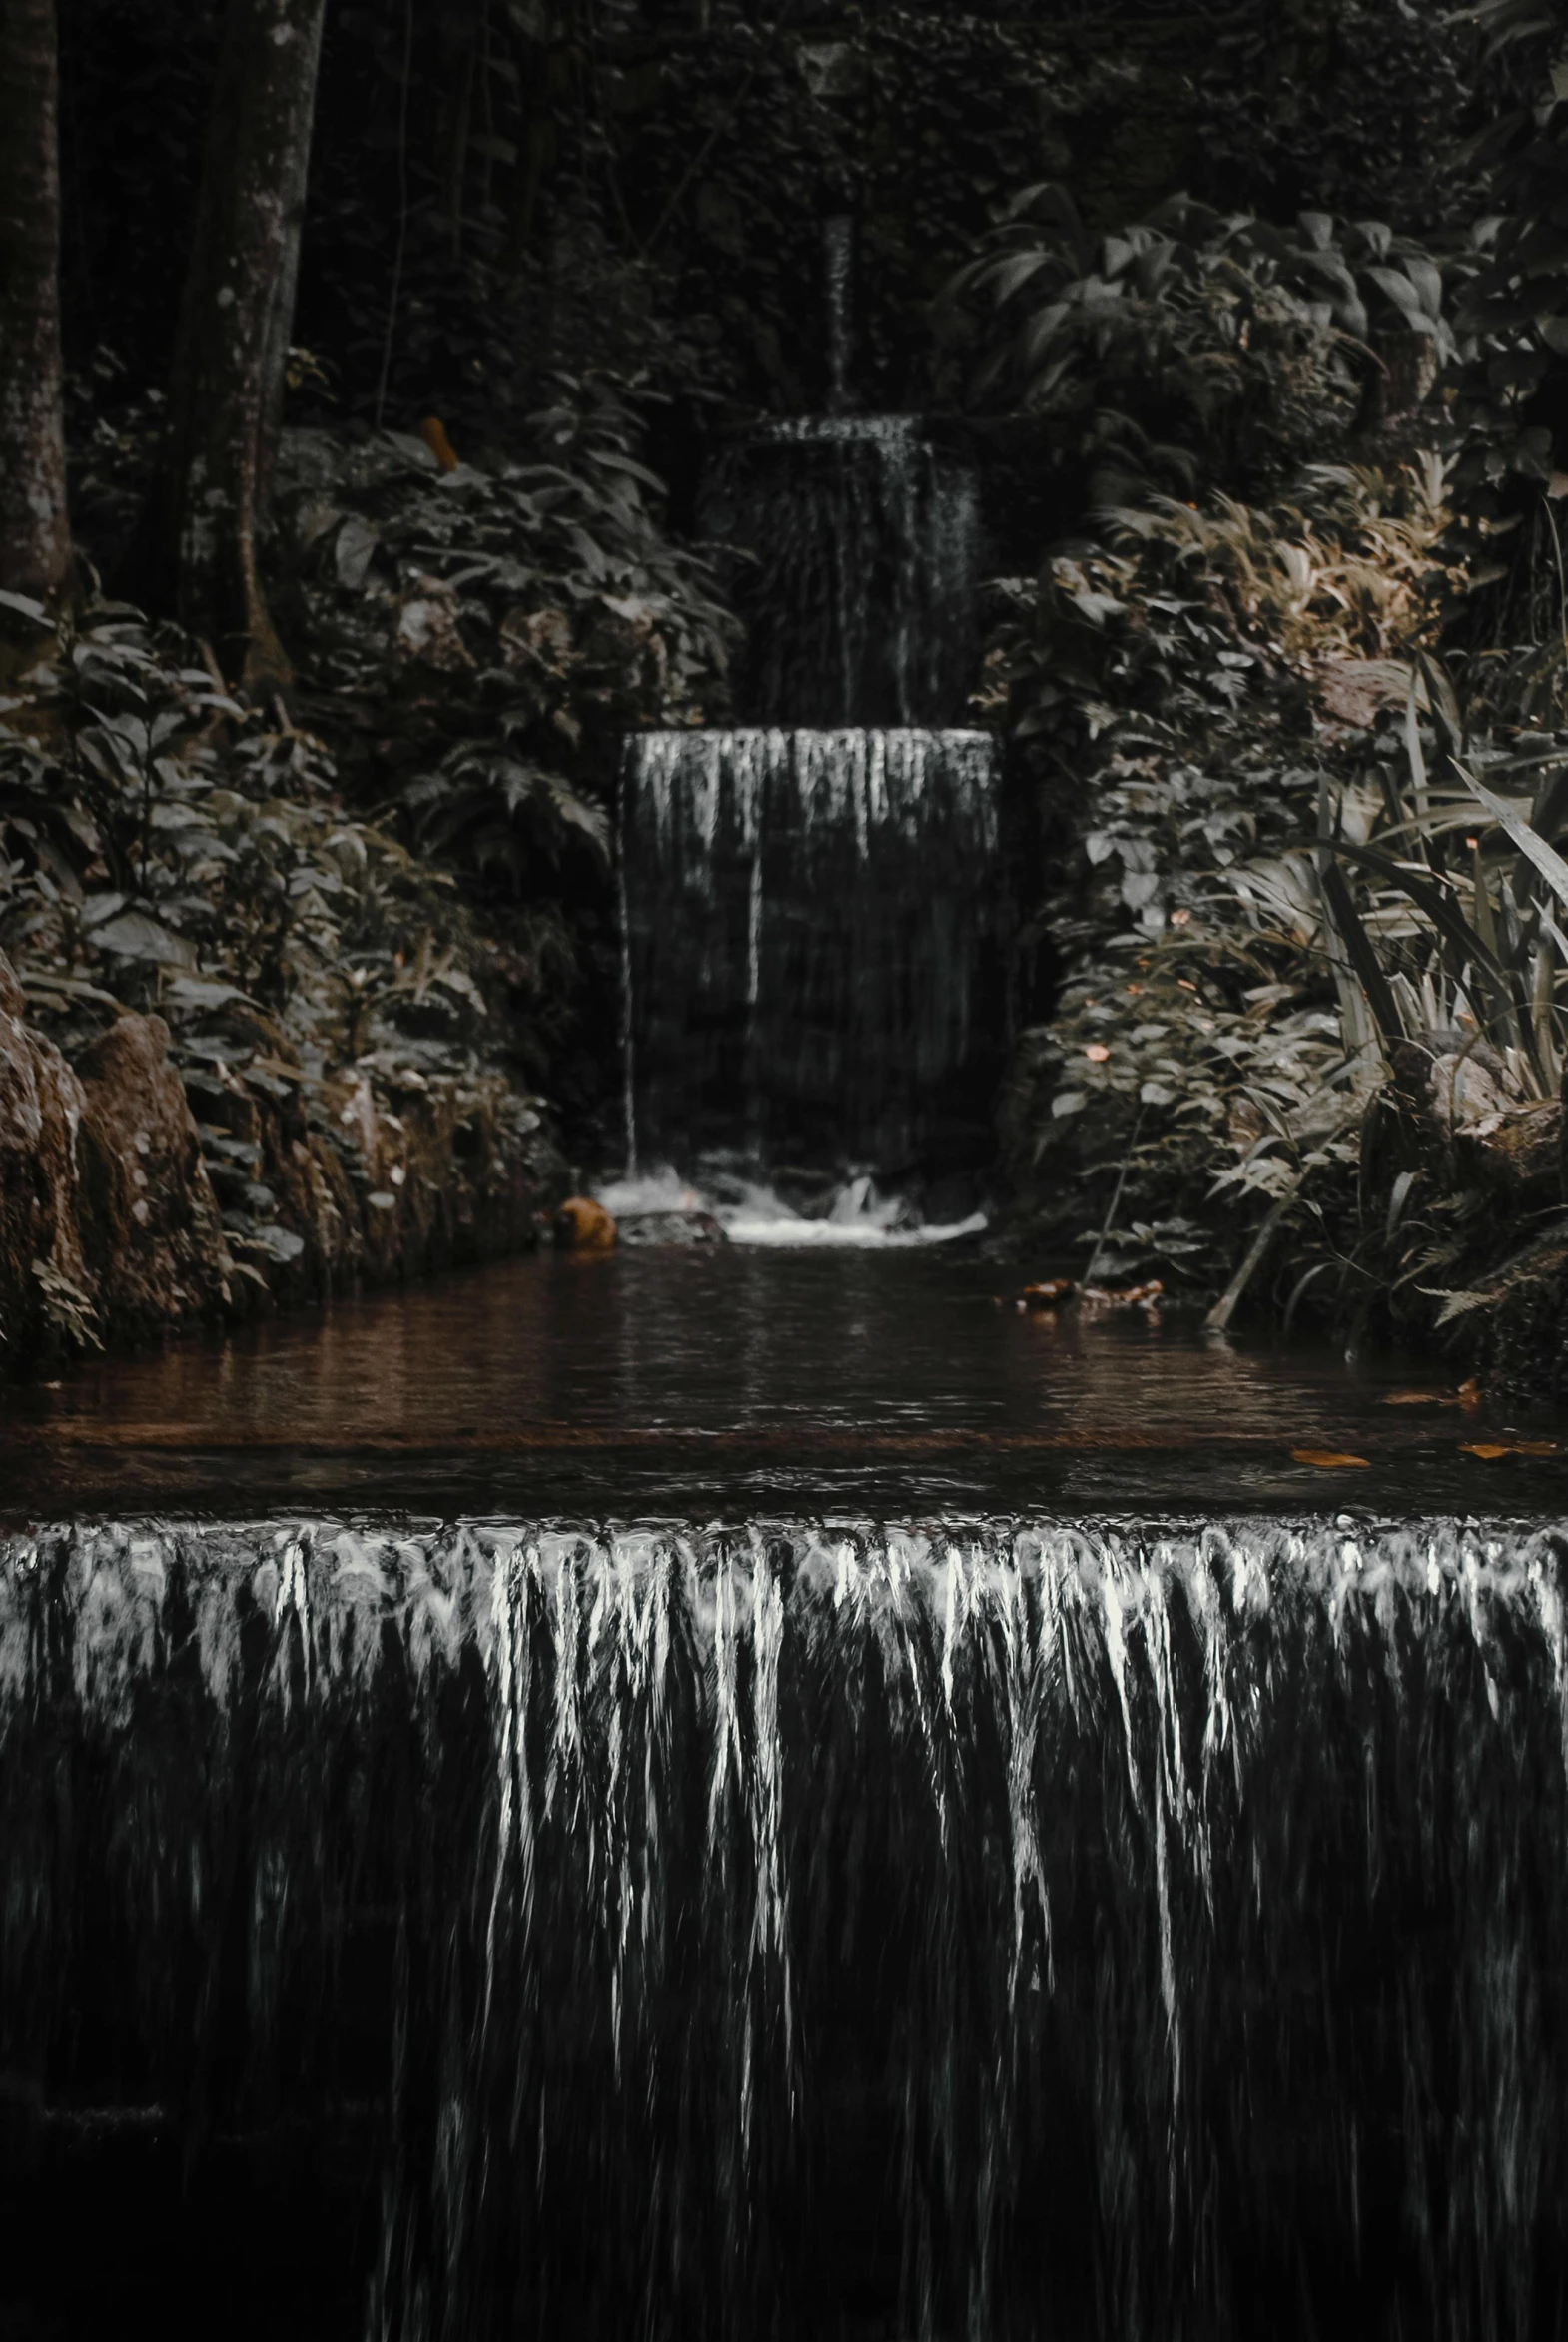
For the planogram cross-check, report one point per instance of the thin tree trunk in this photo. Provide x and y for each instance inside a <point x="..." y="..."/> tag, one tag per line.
<point x="280" y="320"/>
<point x="235" y="323"/>
<point x="35" y="534"/>
<point x="459" y="63"/>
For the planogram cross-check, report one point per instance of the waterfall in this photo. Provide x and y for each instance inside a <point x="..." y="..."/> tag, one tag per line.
<point x="813" y="963"/>
<point x="811" y="925"/>
<point x="1016" y="1928"/>
<point x="838" y="247"/>
<point x="863" y="550"/>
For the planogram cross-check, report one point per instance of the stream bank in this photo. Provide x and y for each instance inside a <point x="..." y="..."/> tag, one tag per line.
<point x="124" y="1217"/>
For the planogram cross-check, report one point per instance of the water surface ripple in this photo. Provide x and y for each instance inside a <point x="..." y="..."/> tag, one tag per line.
<point x="719" y="1381"/>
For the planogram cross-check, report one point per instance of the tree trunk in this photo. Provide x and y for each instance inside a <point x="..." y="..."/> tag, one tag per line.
<point x="35" y="535"/>
<point x="232" y="340"/>
<point x="279" y="316"/>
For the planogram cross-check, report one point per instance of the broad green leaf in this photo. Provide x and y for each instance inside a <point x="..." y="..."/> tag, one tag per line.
<point x="131" y="935"/>
<point x="1006" y="278"/>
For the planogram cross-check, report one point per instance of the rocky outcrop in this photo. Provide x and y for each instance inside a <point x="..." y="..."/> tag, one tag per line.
<point x="1464" y="1214"/>
<point x="148" y="1215"/>
<point x="42" y="1272"/>
<point x="122" y="1213"/>
<point x="107" y="1218"/>
<point x="1449" y="1121"/>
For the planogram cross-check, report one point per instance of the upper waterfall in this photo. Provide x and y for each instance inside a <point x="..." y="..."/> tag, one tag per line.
<point x="861" y="542"/>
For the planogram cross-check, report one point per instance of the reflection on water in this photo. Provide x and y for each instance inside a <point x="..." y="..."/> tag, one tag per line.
<point x="725" y="1378"/>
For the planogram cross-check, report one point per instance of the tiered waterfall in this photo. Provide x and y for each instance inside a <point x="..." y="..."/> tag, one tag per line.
<point x="812" y="933"/>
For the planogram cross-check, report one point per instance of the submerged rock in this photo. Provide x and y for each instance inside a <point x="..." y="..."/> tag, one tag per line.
<point x="670" y="1228"/>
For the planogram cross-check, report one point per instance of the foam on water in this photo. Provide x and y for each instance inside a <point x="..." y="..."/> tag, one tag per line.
<point x="753" y="1212"/>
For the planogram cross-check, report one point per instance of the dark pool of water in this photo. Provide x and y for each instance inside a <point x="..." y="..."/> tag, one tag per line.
<point x="721" y="1382"/>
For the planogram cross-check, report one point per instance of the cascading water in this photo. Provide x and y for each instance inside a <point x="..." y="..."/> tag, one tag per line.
<point x="863" y="552"/>
<point x="813" y="948"/>
<point x="812" y="925"/>
<point x="968" y="1927"/>
<point x="1003" y="1928"/>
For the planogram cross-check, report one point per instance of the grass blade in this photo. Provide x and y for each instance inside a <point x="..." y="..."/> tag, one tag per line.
<point x="1427" y="897"/>
<point x="1546" y="857"/>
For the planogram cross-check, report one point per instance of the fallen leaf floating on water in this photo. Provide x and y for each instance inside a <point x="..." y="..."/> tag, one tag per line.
<point x="1327" y="1460"/>
<point x="1422" y="1399"/>
<point x="1053" y="1290"/>
<point x="1471" y="1393"/>
<point x="1047" y="1295"/>
<point x="1491" y="1449"/>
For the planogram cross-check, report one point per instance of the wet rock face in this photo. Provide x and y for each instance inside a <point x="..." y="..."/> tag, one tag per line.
<point x="107" y="1218"/>
<point x="41" y="1108"/>
<point x="149" y="1221"/>
<point x="111" y="1224"/>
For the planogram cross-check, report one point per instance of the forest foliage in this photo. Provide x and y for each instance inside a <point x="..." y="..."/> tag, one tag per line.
<point x="1298" y="730"/>
<point x="1259" y="344"/>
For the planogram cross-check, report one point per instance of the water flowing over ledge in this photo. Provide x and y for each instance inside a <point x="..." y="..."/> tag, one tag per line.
<point x="865" y="557"/>
<point x="813" y="944"/>
<point x="1005" y="1926"/>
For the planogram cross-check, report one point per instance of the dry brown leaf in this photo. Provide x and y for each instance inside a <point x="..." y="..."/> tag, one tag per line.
<point x="1421" y="1398"/>
<point x="1047" y="1295"/>
<point x="1355" y="690"/>
<point x="433" y="432"/>
<point x="1490" y="1449"/>
<point x="1326" y="1459"/>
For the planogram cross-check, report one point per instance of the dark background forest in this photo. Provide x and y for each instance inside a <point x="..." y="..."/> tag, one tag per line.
<point x="357" y="511"/>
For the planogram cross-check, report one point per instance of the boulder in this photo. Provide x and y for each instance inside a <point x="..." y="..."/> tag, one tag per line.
<point x="1451" y="1118"/>
<point x="670" y="1228"/>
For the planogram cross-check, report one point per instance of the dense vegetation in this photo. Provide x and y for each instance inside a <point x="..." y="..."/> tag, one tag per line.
<point x="354" y="450"/>
<point x="1290" y="697"/>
